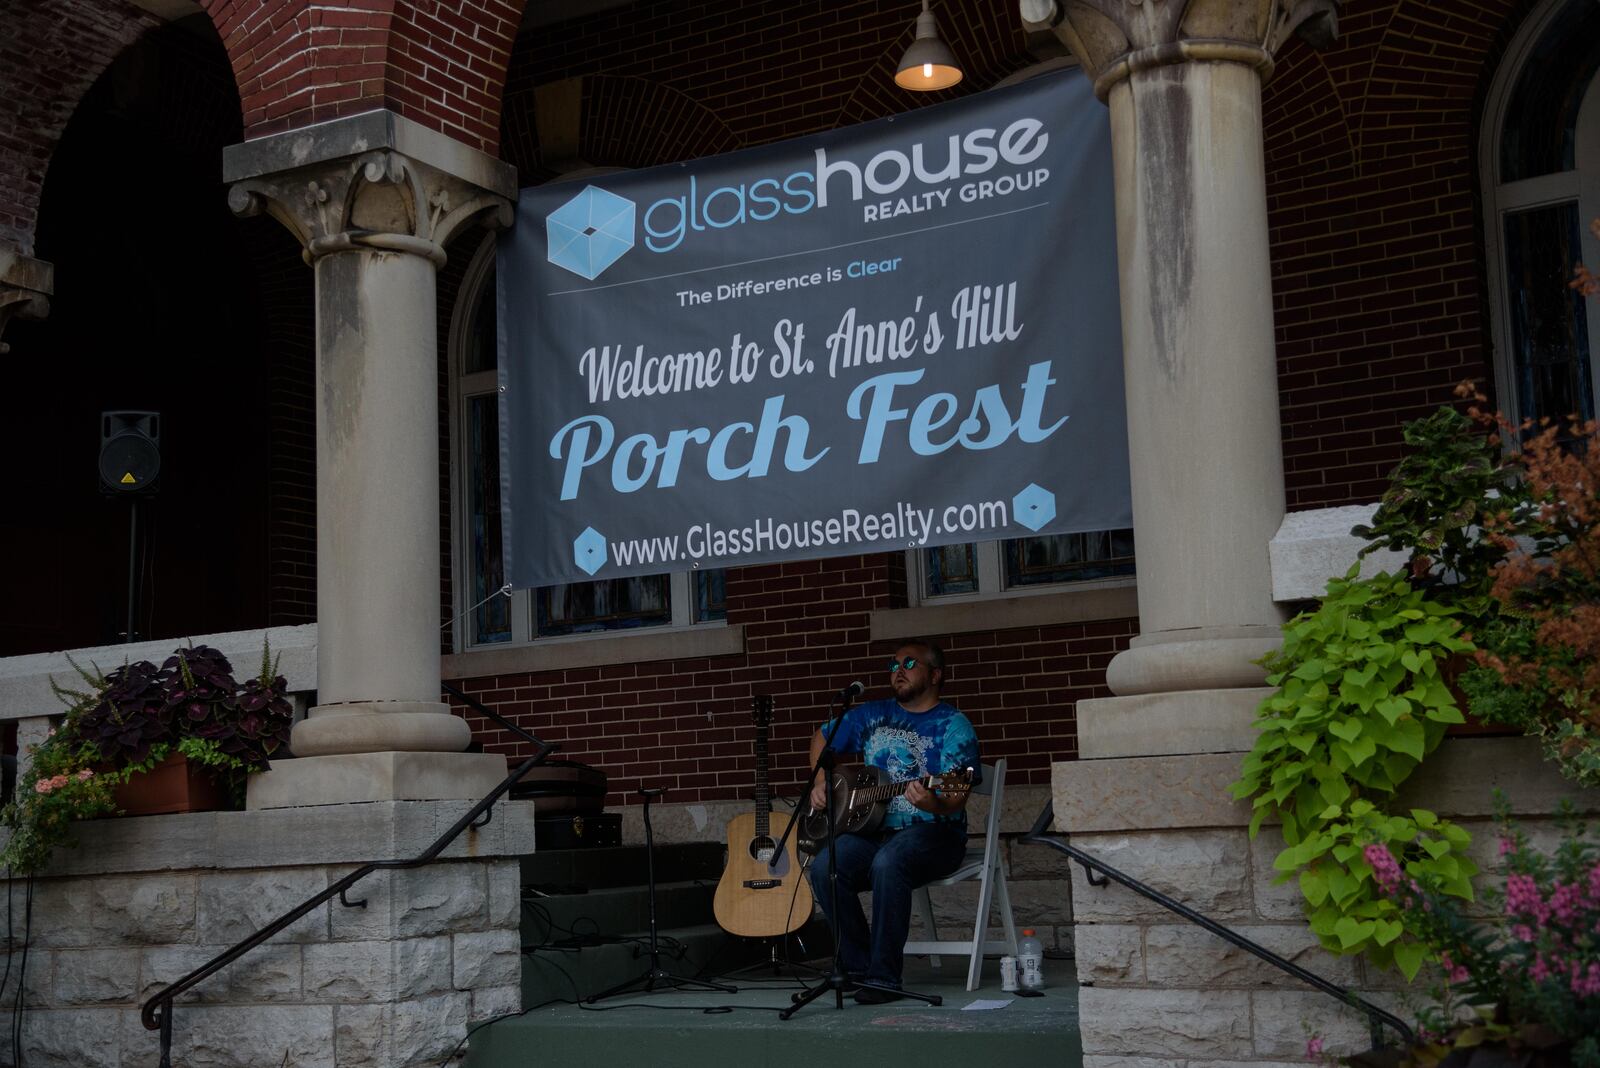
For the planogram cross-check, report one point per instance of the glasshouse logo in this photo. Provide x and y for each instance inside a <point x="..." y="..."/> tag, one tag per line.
<point x="590" y="232"/>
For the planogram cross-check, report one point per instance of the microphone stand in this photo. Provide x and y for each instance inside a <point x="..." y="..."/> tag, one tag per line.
<point x="837" y="979"/>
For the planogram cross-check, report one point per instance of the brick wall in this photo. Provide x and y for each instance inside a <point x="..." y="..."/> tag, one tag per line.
<point x="1373" y="190"/>
<point x="686" y="724"/>
<point x="439" y="62"/>
<point x="39" y="89"/>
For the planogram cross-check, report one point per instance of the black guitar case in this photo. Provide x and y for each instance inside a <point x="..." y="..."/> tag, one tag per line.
<point x="562" y="786"/>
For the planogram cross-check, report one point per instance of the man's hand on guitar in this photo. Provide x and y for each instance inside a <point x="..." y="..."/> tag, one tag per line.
<point x="819" y="794"/>
<point x="923" y="798"/>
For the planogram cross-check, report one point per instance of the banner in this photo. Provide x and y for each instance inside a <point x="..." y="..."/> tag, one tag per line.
<point x="898" y="335"/>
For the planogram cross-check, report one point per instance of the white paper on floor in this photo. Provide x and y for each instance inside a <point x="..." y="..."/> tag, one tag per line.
<point x="985" y="1004"/>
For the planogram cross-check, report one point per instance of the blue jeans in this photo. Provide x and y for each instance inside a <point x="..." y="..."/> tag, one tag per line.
<point x="891" y="867"/>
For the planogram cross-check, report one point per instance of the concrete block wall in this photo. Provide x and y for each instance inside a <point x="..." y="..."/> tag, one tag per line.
<point x="1158" y="992"/>
<point x="391" y="983"/>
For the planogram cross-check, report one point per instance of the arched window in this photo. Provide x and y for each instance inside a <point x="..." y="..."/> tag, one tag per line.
<point x="1540" y="161"/>
<point x="679" y="599"/>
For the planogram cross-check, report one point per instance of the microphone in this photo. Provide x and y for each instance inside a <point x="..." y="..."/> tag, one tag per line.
<point x="854" y="690"/>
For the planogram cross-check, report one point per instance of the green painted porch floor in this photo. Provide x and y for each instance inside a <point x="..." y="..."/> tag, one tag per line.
<point x="670" y="1029"/>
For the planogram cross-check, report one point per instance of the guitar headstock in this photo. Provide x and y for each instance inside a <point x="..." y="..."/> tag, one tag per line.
<point x="761" y="709"/>
<point x="954" y="782"/>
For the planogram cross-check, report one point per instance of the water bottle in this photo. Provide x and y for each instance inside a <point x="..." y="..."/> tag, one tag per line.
<point x="1030" y="960"/>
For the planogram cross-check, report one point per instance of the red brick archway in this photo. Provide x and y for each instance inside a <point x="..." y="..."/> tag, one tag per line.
<point x="439" y="62"/>
<point x="51" y="53"/>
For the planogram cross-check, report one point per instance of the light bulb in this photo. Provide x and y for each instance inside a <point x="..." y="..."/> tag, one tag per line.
<point x="927" y="70"/>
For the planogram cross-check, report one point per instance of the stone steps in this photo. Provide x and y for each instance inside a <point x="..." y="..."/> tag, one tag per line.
<point x="586" y="917"/>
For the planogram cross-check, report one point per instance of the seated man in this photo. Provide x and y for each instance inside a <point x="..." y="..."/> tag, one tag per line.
<point x="924" y="834"/>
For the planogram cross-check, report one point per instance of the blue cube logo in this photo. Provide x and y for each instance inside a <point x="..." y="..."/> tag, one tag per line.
<point x="589" y="550"/>
<point x="1034" y="506"/>
<point x="590" y="232"/>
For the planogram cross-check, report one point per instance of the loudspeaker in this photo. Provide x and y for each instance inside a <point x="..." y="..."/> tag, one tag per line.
<point x="130" y="452"/>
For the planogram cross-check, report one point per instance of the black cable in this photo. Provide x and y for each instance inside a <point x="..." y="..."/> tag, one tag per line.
<point x="22" y="974"/>
<point x="474" y="1029"/>
<point x="6" y="979"/>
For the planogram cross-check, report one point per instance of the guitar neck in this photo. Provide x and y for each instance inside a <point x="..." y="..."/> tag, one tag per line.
<point x="885" y="791"/>
<point x="763" y="716"/>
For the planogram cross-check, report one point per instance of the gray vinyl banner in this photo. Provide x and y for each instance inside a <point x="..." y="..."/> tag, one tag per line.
<point x="901" y="334"/>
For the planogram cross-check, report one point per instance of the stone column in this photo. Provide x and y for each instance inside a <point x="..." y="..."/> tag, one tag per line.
<point x="374" y="199"/>
<point x="1183" y="82"/>
<point x="25" y="287"/>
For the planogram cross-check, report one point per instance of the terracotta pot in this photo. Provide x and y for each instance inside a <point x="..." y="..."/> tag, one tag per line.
<point x="174" y="785"/>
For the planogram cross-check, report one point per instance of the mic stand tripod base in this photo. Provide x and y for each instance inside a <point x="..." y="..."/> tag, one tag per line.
<point x="659" y="976"/>
<point x="656" y="975"/>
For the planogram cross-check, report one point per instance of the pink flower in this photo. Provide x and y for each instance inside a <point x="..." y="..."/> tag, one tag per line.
<point x="1565" y="901"/>
<point x="1523" y="898"/>
<point x="1385" y="869"/>
<point x="85" y="775"/>
<point x="1506" y="846"/>
<point x="1314" y="1048"/>
<point x="42" y="786"/>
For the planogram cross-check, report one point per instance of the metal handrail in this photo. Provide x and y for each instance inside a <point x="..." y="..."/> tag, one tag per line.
<point x="1377" y="1018"/>
<point x="156" y="1014"/>
<point x="488" y="713"/>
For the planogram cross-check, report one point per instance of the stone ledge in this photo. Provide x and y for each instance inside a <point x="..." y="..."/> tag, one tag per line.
<point x="368" y="131"/>
<point x="1168" y="724"/>
<point x="331" y="834"/>
<point x="1037" y="610"/>
<point x="1172" y="792"/>
<point x="595" y="651"/>
<point x="25" y="680"/>
<point x="1313" y="546"/>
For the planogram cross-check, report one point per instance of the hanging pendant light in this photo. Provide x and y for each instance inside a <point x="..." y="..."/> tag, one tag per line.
<point x="928" y="63"/>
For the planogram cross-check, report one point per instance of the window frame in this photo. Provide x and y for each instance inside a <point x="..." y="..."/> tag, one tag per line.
<point x="990" y="567"/>
<point x="463" y="388"/>
<point x="1500" y="199"/>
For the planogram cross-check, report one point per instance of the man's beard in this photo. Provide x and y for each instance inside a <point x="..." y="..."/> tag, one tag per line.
<point x="910" y="691"/>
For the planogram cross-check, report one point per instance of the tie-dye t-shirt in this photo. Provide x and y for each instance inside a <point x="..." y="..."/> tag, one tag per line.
<point x="909" y="745"/>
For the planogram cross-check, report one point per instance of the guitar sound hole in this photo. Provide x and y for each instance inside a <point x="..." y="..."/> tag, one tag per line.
<point x="762" y="849"/>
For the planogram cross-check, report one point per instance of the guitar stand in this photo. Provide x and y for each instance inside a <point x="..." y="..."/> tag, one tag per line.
<point x="836" y="980"/>
<point x="656" y="976"/>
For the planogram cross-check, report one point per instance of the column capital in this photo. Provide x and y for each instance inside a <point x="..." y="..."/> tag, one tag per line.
<point x="1114" y="39"/>
<point x="25" y="287"/>
<point x="375" y="180"/>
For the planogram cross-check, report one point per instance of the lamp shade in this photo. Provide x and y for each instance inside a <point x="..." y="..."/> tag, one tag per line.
<point x="928" y="64"/>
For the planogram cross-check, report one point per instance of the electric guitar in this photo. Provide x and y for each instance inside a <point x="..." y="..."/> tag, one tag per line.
<point x="763" y="893"/>
<point x="861" y="796"/>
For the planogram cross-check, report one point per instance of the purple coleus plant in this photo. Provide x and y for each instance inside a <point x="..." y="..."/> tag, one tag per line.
<point x="192" y="695"/>
<point x="131" y="716"/>
<point x="248" y="722"/>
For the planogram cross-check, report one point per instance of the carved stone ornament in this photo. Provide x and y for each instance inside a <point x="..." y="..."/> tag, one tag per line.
<point x="25" y="288"/>
<point x="378" y="200"/>
<point x="1115" y="38"/>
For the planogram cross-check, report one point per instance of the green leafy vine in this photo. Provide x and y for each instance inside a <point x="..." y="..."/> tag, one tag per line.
<point x="1360" y="701"/>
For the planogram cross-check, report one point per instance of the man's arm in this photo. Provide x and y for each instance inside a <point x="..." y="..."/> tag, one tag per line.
<point x="819" y="792"/>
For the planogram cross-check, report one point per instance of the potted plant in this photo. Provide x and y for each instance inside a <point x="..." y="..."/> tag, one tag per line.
<point x="144" y="740"/>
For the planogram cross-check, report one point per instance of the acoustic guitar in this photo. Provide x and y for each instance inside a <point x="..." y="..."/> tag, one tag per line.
<point x="861" y="796"/>
<point x="763" y="893"/>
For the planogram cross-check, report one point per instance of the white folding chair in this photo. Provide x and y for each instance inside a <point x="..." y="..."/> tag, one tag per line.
<point x="988" y="867"/>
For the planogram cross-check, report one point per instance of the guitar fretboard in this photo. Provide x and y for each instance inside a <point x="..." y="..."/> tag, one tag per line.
<point x="884" y="791"/>
<point x="763" y="715"/>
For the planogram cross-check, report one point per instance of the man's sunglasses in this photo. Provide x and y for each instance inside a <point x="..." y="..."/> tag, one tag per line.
<point x="908" y="663"/>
